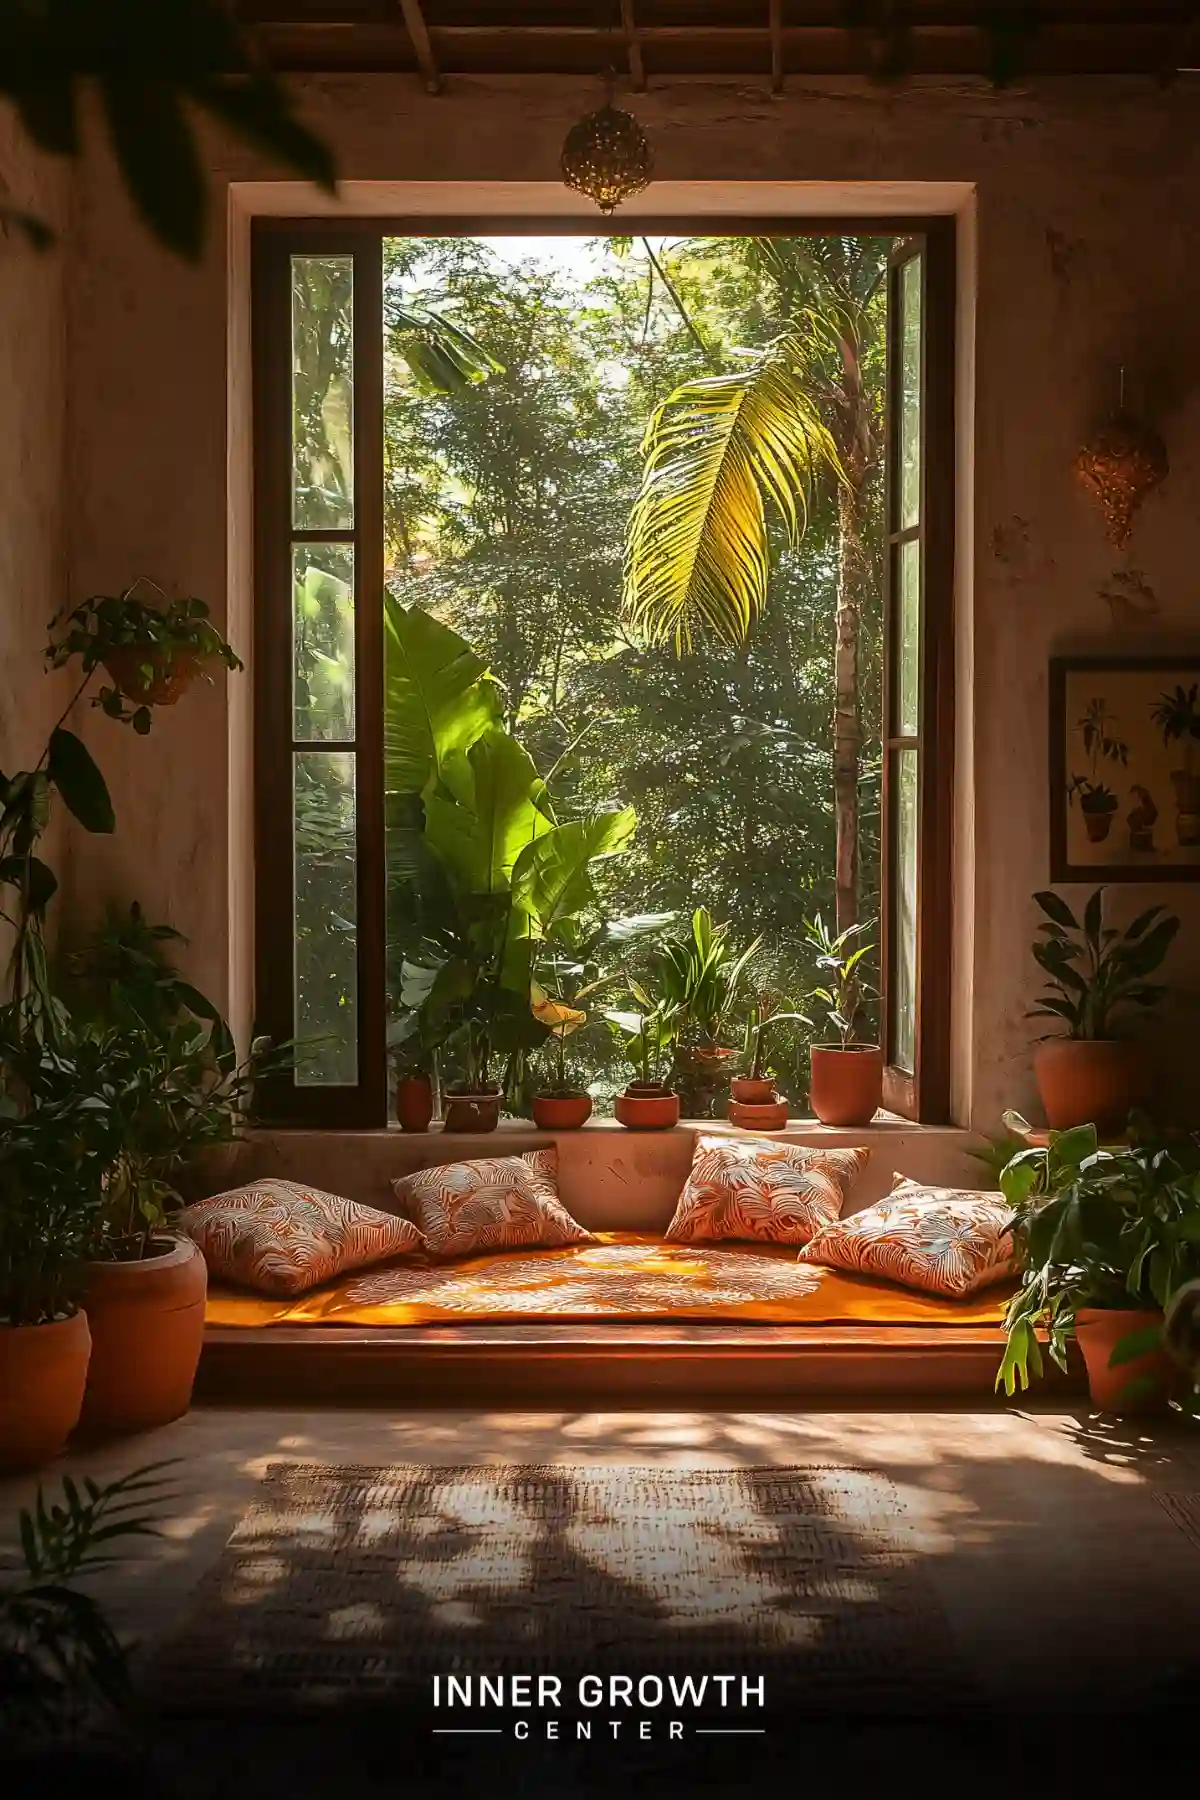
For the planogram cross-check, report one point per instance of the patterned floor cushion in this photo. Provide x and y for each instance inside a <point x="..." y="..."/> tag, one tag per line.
<point x="752" y="1187"/>
<point x="495" y="1203"/>
<point x="948" y="1241"/>
<point x="279" y="1237"/>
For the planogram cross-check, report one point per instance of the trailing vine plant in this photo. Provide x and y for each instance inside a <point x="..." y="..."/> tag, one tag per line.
<point x="66" y="770"/>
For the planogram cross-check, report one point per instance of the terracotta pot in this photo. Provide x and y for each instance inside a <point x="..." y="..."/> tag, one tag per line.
<point x="1099" y="1331"/>
<point x="561" y="1112"/>
<point x="847" y="1085"/>
<point x="1090" y="1083"/>
<point x="414" y="1102"/>
<point x="172" y="673"/>
<point x="748" y="1091"/>
<point x="647" y="1106"/>
<point x="1187" y="830"/>
<point x="771" y="1117"/>
<point x="42" y="1372"/>
<point x="147" y="1321"/>
<point x="473" y="1112"/>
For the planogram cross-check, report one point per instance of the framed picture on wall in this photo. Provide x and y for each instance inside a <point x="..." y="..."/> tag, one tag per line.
<point x="1125" y="768"/>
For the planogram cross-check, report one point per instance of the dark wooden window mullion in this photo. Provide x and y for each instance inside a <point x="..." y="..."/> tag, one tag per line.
<point x="364" y="1102"/>
<point x="368" y="683"/>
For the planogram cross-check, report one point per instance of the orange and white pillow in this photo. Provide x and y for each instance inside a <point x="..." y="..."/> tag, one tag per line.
<point x="752" y="1187"/>
<point x="948" y="1241"/>
<point x="279" y="1237"/>
<point x="496" y="1203"/>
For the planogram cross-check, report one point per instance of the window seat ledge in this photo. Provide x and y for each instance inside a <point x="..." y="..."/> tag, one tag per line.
<point x="610" y="1178"/>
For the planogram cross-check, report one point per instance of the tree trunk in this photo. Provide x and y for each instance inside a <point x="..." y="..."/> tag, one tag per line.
<point x="853" y="574"/>
<point x="856" y="448"/>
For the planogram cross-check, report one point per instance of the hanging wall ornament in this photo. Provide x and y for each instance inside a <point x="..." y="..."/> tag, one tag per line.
<point x="607" y="156"/>
<point x="1121" y="463"/>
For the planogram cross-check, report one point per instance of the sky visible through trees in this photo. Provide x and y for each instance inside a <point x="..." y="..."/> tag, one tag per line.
<point x="506" y="509"/>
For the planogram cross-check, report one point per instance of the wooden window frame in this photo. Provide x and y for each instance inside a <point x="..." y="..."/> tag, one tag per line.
<point x="922" y="1094"/>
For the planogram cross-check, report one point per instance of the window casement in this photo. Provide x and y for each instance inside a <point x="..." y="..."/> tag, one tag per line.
<point x="918" y="694"/>
<point x="320" y="871"/>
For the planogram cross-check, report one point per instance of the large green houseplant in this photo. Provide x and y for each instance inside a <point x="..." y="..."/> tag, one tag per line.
<point x="162" y="1061"/>
<point x="1097" y="977"/>
<point x="483" y="872"/>
<point x="1105" y="1239"/>
<point x="55" y="1149"/>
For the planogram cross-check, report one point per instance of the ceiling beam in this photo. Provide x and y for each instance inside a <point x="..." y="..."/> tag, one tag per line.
<point x="776" y="25"/>
<point x="1146" y="45"/>
<point x="633" y="46"/>
<point x="418" y="31"/>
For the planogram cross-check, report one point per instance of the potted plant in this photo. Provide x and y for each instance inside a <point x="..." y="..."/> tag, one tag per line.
<point x="52" y="1161"/>
<point x="756" y="1103"/>
<point x="1105" y="1239"/>
<point x="1097" y="803"/>
<point x="648" y="1103"/>
<point x="414" y="1094"/>
<point x="702" y="976"/>
<point x="562" y="1106"/>
<point x="1177" y="716"/>
<point x="847" y="1075"/>
<point x="168" y="1099"/>
<point x="1096" y="972"/>
<point x="151" y="653"/>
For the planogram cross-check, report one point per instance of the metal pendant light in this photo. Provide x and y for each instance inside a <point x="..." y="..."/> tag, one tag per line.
<point x="607" y="155"/>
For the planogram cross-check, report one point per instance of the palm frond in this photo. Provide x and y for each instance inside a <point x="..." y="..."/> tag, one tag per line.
<point x="718" y="453"/>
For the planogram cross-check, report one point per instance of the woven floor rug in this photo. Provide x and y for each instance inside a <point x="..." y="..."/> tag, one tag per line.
<point x="355" y="1584"/>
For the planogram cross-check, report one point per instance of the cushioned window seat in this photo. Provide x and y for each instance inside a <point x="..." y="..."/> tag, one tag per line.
<point x="626" y="1277"/>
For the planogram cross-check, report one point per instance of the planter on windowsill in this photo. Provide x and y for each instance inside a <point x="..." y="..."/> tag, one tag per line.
<point x="561" y="1112"/>
<point x="473" y="1111"/>
<point x="847" y="1082"/>
<point x="647" y="1106"/>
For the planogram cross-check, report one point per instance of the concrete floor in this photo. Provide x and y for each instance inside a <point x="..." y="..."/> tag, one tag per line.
<point x="1039" y="1529"/>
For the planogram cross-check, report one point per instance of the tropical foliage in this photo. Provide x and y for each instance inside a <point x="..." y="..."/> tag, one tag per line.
<point x="62" y="1666"/>
<point x="491" y="875"/>
<point x="505" y="509"/>
<point x="1097" y="971"/>
<point x="1095" y="1228"/>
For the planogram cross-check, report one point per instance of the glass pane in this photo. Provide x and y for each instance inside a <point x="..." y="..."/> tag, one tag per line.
<point x="910" y="392"/>
<point x="326" y="918"/>
<point x="903" y="947"/>
<point x="908" y="641"/>
<point x="322" y="393"/>
<point x="323" y="642"/>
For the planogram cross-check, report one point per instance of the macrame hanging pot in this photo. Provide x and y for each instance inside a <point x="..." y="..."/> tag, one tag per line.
<point x="1121" y="463"/>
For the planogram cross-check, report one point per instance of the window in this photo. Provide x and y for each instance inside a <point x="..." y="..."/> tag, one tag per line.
<point x="343" y="461"/>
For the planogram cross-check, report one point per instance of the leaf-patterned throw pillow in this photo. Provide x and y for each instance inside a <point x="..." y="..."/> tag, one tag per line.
<point x="948" y="1241"/>
<point x="497" y="1203"/>
<point x="752" y="1187"/>
<point x="279" y="1237"/>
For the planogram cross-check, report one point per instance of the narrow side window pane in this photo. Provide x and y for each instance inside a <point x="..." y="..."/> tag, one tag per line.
<point x="322" y="393"/>
<point x="908" y="640"/>
<point x="326" y="917"/>
<point x="910" y="393"/>
<point x="903" y="985"/>
<point x="323" y="642"/>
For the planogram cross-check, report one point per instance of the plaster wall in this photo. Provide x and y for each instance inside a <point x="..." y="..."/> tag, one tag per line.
<point x="33" y="555"/>
<point x="1083" y="264"/>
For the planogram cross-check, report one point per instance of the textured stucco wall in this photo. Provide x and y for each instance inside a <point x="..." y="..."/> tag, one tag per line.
<point x="1086" y="261"/>
<point x="33" y="556"/>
